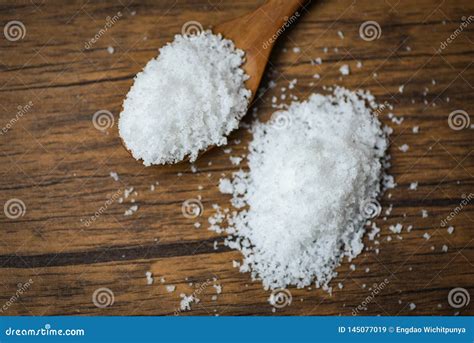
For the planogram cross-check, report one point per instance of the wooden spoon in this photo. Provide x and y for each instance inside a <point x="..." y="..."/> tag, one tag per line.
<point x="256" y="32"/>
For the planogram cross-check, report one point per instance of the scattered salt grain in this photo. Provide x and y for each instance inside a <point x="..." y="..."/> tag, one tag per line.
<point x="235" y="160"/>
<point x="296" y="50"/>
<point x="149" y="278"/>
<point x="424" y="213"/>
<point x="450" y="230"/>
<point x="312" y="166"/>
<point x="415" y="129"/>
<point x="340" y="34"/>
<point x="170" y="288"/>
<point x="412" y="306"/>
<point x="218" y="288"/>
<point x="426" y="236"/>
<point x="396" y="228"/>
<point x="400" y="89"/>
<point x="110" y="49"/>
<point x="225" y="186"/>
<point x="344" y="69"/>
<point x="131" y="210"/>
<point x="192" y="94"/>
<point x="114" y="176"/>
<point x="444" y="248"/>
<point x="404" y="148"/>
<point x="186" y="300"/>
<point x="413" y="186"/>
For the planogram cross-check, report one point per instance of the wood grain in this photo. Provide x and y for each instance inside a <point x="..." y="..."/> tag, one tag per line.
<point x="55" y="160"/>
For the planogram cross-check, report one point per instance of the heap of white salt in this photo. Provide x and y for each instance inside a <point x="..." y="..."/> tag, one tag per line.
<point x="314" y="170"/>
<point x="188" y="98"/>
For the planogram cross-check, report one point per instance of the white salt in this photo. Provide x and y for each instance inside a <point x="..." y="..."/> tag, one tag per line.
<point x="170" y="288"/>
<point x="235" y="160"/>
<point x="131" y="210"/>
<point x="404" y="148"/>
<point x="186" y="300"/>
<point x="307" y="190"/>
<point x="188" y="98"/>
<point x="344" y="69"/>
<point x="114" y="176"/>
<point x="396" y="228"/>
<point x="149" y="278"/>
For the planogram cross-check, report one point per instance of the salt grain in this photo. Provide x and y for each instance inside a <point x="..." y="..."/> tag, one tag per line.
<point x="312" y="166"/>
<point x="149" y="278"/>
<point x="188" y="98"/>
<point x="114" y="176"/>
<point x="344" y="69"/>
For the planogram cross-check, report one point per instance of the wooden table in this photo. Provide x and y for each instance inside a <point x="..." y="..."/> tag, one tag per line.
<point x="55" y="162"/>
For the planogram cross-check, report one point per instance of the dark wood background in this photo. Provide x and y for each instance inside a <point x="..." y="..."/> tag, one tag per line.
<point x="56" y="162"/>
